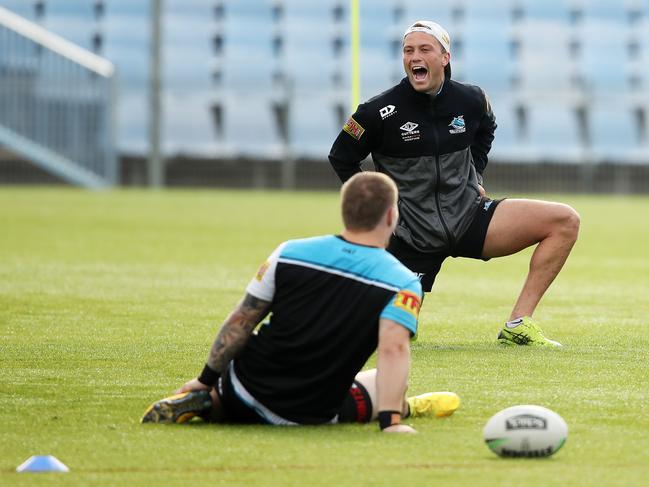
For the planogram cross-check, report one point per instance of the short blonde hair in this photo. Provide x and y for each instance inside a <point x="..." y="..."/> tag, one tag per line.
<point x="365" y="198"/>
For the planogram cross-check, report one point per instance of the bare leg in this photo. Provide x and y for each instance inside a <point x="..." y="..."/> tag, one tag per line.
<point x="368" y="379"/>
<point x="518" y="224"/>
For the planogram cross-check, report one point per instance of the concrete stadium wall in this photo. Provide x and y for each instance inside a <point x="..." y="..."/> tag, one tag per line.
<point x="183" y="171"/>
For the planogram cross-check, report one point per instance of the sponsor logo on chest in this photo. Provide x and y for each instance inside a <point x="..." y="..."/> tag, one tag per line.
<point x="409" y="132"/>
<point x="387" y="111"/>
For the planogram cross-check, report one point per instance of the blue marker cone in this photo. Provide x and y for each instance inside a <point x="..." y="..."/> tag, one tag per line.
<point x="42" y="463"/>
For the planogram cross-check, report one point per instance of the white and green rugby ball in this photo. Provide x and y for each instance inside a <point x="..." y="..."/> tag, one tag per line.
<point x="525" y="431"/>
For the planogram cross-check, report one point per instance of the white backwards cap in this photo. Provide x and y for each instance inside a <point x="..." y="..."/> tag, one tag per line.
<point x="435" y="30"/>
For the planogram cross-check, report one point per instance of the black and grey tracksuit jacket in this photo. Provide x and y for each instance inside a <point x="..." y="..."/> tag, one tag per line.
<point x="434" y="147"/>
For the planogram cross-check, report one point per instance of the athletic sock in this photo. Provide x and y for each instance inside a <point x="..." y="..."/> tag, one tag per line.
<point x="513" y="323"/>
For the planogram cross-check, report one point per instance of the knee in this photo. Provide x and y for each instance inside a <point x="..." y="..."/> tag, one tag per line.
<point x="569" y="222"/>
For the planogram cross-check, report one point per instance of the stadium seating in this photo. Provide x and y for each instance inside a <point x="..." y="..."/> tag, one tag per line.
<point x="488" y="12"/>
<point x="541" y="57"/>
<point x="187" y="54"/>
<point x="604" y="56"/>
<point x="439" y="12"/>
<point x="506" y="145"/>
<point x="552" y="133"/>
<point x="485" y="59"/>
<point x="378" y="71"/>
<point x="543" y="61"/>
<point x="21" y="7"/>
<point x="314" y="126"/>
<point x="376" y="22"/>
<point x="611" y="12"/>
<point x="188" y="123"/>
<point x="554" y="10"/>
<point x="130" y="8"/>
<point x="309" y="46"/>
<point x="613" y="131"/>
<point x="250" y="129"/>
<point x="74" y="29"/>
<point x="125" y="27"/>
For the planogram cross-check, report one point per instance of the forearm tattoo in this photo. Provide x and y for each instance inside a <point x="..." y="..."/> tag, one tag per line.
<point x="236" y="331"/>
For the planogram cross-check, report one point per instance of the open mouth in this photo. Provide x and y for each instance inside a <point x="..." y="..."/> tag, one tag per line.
<point x="419" y="73"/>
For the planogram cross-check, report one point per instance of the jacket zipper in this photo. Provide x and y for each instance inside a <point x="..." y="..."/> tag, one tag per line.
<point x="439" y="178"/>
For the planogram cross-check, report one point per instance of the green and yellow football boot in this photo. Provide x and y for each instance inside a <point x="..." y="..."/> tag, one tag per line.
<point x="523" y="331"/>
<point x="438" y="404"/>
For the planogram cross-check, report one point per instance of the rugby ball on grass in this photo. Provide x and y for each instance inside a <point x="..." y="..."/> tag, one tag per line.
<point x="525" y="431"/>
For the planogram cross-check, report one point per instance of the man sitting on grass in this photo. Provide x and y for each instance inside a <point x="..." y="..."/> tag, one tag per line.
<point x="334" y="301"/>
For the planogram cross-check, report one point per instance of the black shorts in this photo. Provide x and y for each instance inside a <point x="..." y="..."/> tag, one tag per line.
<point x="240" y="408"/>
<point x="428" y="264"/>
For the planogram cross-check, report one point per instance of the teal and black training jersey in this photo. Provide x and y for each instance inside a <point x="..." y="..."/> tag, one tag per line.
<point x="327" y="297"/>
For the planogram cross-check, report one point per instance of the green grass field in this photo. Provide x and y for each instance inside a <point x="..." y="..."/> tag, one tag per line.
<point x="110" y="300"/>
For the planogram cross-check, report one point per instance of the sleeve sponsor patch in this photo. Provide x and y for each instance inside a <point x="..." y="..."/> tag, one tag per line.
<point x="353" y="128"/>
<point x="408" y="301"/>
<point x="262" y="270"/>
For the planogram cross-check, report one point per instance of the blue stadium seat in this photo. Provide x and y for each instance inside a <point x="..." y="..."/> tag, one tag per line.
<point x="553" y="134"/>
<point x="188" y="125"/>
<point x="311" y="11"/>
<point x="186" y="69"/>
<point x="376" y="22"/>
<point x="187" y="54"/>
<point x="131" y="66"/>
<point x="249" y="134"/>
<point x="544" y="44"/>
<point x="439" y="12"/>
<point x="604" y="56"/>
<point x="195" y="8"/>
<point x="253" y="73"/>
<point x="610" y="11"/>
<point x="245" y="30"/>
<point x="480" y="45"/>
<point x="487" y="12"/>
<point x="508" y="144"/>
<point x="377" y="72"/>
<point x="613" y="132"/>
<point x="506" y="138"/>
<point x="193" y="29"/>
<point x="485" y="56"/>
<point x="308" y="53"/>
<point x="69" y="8"/>
<point x="313" y="126"/>
<point x="187" y="82"/>
<point x="20" y="7"/>
<point x="643" y="29"/>
<point x="128" y="7"/>
<point x="556" y="10"/>
<point x="125" y="27"/>
<point x="247" y="55"/>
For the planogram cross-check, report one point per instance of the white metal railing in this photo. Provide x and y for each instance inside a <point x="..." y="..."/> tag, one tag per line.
<point x="56" y="103"/>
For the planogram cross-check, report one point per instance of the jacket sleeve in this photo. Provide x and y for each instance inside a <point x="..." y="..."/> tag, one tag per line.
<point x="355" y="141"/>
<point x="483" y="138"/>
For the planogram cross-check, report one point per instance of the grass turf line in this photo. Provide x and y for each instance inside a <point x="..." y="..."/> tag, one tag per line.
<point x="110" y="300"/>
